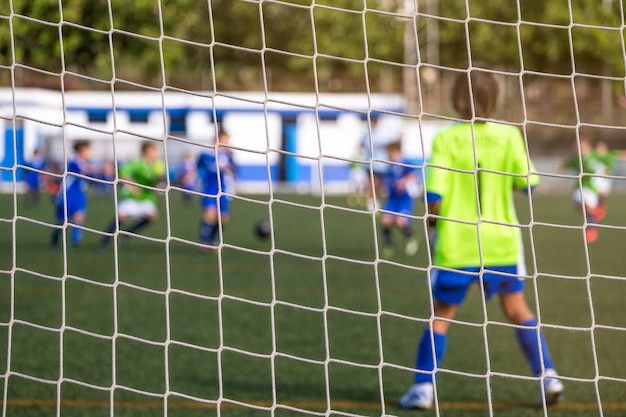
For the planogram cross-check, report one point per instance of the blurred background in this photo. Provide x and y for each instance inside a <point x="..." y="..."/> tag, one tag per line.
<point x="560" y="64"/>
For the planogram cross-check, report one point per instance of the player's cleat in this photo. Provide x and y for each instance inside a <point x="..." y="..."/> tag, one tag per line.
<point x="388" y="251"/>
<point x="591" y="234"/>
<point x="411" y="247"/>
<point x="552" y="387"/>
<point x="420" y="396"/>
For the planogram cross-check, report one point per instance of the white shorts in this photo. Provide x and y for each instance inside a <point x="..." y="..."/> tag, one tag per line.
<point x="603" y="185"/>
<point x="586" y="196"/>
<point x="136" y="209"/>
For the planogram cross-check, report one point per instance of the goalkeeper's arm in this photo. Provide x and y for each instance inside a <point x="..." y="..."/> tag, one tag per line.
<point x="434" y="205"/>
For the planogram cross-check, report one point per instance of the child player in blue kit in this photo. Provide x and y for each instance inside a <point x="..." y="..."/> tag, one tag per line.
<point x="401" y="181"/>
<point x="216" y="171"/>
<point x="71" y="199"/>
<point x="33" y="177"/>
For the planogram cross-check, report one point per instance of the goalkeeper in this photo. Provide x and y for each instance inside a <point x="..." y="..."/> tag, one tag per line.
<point x="474" y="168"/>
<point x="136" y="200"/>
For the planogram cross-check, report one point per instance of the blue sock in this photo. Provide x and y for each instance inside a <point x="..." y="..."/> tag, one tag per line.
<point x="424" y="361"/>
<point x="529" y="340"/>
<point x="77" y="235"/>
<point x="208" y="232"/>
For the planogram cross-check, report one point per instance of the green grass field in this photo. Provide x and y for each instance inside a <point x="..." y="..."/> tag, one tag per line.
<point x="317" y="325"/>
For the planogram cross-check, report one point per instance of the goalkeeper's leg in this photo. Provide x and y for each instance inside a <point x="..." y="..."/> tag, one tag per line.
<point x="533" y="344"/>
<point x="430" y="351"/>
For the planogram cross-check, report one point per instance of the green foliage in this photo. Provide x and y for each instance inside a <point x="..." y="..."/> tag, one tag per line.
<point x="188" y="43"/>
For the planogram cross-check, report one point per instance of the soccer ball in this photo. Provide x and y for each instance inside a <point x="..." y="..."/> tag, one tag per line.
<point x="263" y="228"/>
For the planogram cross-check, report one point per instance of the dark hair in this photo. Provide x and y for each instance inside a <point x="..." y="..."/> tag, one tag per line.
<point x="484" y="92"/>
<point x="145" y="146"/>
<point x="80" y="145"/>
<point x="394" y="146"/>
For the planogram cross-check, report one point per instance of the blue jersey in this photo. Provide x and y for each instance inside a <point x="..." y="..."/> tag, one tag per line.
<point x="187" y="174"/>
<point x="394" y="175"/>
<point x="73" y="186"/>
<point x="32" y="176"/>
<point x="215" y="169"/>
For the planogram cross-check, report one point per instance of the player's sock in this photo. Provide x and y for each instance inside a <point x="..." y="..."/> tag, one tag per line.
<point x="407" y="231"/>
<point x="387" y="235"/>
<point x="529" y="340"/>
<point x="213" y="237"/>
<point x="56" y="234"/>
<point x="424" y="361"/>
<point x="77" y="234"/>
<point x="139" y="225"/>
<point x="208" y="232"/>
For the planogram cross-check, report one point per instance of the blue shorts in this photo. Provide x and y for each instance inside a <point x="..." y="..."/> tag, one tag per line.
<point x="74" y="206"/>
<point x="400" y="205"/>
<point x="451" y="287"/>
<point x="209" y="202"/>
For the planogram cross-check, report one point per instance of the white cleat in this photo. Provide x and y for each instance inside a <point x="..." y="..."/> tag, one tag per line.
<point x="411" y="247"/>
<point x="552" y="387"/>
<point x="420" y="396"/>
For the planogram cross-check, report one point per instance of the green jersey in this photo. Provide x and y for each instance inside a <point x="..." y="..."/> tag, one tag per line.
<point x="607" y="161"/>
<point x="476" y="193"/>
<point x="591" y="165"/>
<point x="141" y="173"/>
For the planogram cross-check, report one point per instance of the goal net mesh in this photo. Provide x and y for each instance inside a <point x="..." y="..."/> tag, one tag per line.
<point x="314" y="318"/>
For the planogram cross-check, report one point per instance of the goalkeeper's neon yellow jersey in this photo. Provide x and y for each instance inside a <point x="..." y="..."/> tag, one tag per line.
<point x="457" y="177"/>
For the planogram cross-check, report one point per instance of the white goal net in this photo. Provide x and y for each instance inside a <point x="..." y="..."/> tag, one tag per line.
<point x="188" y="224"/>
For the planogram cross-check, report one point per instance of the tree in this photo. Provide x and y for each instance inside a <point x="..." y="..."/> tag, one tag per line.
<point x="239" y="44"/>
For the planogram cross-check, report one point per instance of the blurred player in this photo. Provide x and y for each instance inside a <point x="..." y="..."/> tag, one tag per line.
<point x="187" y="176"/>
<point x="606" y="161"/>
<point x="216" y="170"/>
<point x="136" y="200"/>
<point x="474" y="169"/>
<point x="374" y="143"/>
<point x="401" y="181"/>
<point x="71" y="200"/>
<point x="33" y="178"/>
<point x="585" y="195"/>
<point x="106" y="172"/>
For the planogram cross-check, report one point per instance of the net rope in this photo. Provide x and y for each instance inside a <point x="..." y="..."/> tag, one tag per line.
<point x="273" y="404"/>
